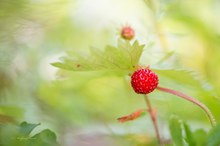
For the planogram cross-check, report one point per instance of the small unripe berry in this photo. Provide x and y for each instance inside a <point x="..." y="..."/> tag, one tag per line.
<point x="127" y="33"/>
<point x="144" y="81"/>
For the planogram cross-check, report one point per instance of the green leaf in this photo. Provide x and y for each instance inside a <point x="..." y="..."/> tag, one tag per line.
<point x="44" y="138"/>
<point x="200" y="137"/>
<point x="26" y="128"/>
<point x="123" y="57"/>
<point x="188" y="78"/>
<point x="193" y="84"/>
<point x="19" y="135"/>
<point x="8" y="134"/>
<point x="189" y="135"/>
<point x="176" y="131"/>
<point x="214" y="137"/>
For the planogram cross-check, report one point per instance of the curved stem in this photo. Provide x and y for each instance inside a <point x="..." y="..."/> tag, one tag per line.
<point x="153" y="118"/>
<point x="191" y="99"/>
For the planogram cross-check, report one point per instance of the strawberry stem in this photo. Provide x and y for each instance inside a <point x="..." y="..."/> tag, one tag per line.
<point x="191" y="99"/>
<point x="153" y="118"/>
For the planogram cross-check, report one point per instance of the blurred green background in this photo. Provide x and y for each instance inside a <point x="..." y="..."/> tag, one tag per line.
<point x="82" y="107"/>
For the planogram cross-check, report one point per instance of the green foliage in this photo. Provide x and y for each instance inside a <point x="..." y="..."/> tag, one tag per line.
<point x="26" y="128"/>
<point x="200" y="137"/>
<point x="183" y="78"/>
<point x="181" y="133"/>
<point x="31" y="32"/>
<point x="123" y="57"/>
<point x="176" y="131"/>
<point x="44" y="138"/>
<point x="213" y="138"/>
<point x="201" y="30"/>
<point x="20" y="135"/>
<point x="189" y="135"/>
<point x="190" y="83"/>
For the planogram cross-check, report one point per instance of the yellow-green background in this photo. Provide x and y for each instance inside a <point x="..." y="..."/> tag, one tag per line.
<point x="83" y="106"/>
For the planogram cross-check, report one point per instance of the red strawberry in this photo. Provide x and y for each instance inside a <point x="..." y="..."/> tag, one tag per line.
<point x="127" y="33"/>
<point x="144" y="81"/>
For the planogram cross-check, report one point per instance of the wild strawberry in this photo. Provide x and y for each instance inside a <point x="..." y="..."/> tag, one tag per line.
<point x="127" y="33"/>
<point x="144" y="81"/>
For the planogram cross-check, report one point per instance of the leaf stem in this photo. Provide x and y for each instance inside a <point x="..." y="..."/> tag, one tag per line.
<point x="153" y="118"/>
<point x="191" y="99"/>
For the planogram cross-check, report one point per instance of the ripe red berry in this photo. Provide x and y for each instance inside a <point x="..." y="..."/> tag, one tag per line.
<point x="127" y="33"/>
<point x="144" y="81"/>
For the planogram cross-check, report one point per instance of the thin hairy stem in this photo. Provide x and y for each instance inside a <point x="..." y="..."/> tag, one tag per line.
<point x="153" y="118"/>
<point x="191" y="99"/>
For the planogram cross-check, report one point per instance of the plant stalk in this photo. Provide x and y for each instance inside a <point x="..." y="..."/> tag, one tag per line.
<point x="191" y="99"/>
<point x="153" y="118"/>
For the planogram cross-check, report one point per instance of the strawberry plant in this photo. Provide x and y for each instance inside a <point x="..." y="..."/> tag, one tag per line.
<point x="125" y="58"/>
<point x="154" y="81"/>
